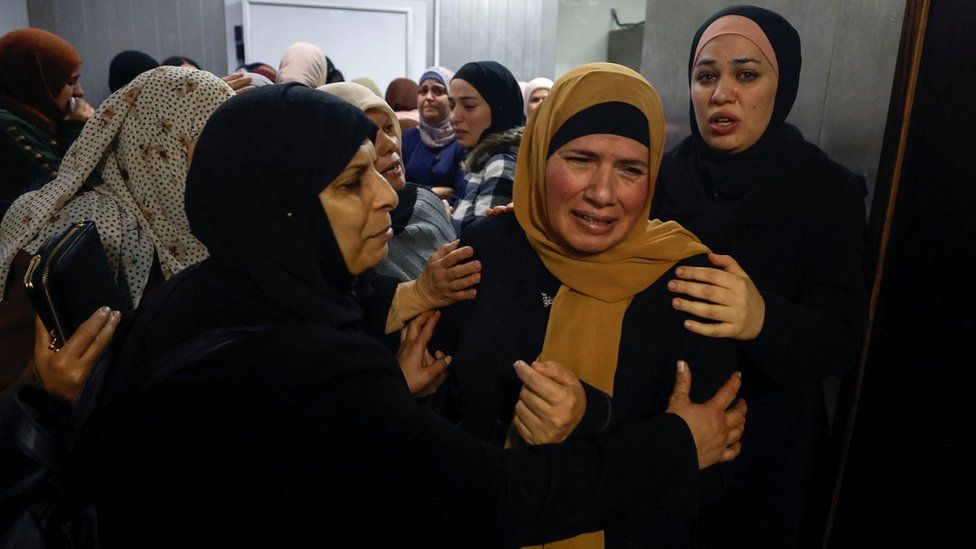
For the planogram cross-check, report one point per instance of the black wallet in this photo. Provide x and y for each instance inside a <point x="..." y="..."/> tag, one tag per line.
<point x="69" y="279"/>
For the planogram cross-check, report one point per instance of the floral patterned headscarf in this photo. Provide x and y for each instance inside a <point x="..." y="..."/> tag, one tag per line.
<point x="127" y="173"/>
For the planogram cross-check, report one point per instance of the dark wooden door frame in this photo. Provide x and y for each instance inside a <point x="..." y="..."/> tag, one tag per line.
<point x="883" y="207"/>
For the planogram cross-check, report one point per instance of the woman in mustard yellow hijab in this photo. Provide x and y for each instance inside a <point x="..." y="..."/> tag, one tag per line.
<point x="576" y="281"/>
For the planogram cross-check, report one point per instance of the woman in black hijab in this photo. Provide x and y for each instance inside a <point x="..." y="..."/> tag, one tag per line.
<point x="126" y="66"/>
<point x="488" y="121"/>
<point x="304" y="432"/>
<point x="790" y="288"/>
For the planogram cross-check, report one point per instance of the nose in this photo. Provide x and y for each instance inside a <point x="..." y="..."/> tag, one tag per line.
<point x="77" y="91"/>
<point x="455" y="115"/>
<point x="385" y="144"/>
<point x="384" y="197"/>
<point x="725" y="91"/>
<point x="600" y="191"/>
<point x="429" y="94"/>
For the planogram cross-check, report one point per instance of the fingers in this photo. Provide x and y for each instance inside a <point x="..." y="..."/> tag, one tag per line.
<point x="427" y="330"/>
<point x="556" y="372"/>
<point x="413" y="328"/>
<point x="443" y="251"/>
<point x="465" y="295"/>
<point x="83" y="337"/>
<point x="707" y="292"/>
<point x="102" y="340"/>
<point x="535" y="403"/>
<point x="726" y="263"/>
<point x="539" y="384"/>
<point x="524" y="431"/>
<point x="530" y="421"/>
<point x="704" y="310"/>
<point x="709" y="329"/>
<point x="455" y="256"/>
<point x="682" y="383"/>
<point x="706" y="274"/>
<point x="731" y="452"/>
<point x="42" y="338"/>
<point x="726" y="393"/>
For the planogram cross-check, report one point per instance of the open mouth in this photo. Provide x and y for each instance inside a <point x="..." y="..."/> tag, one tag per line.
<point x="594" y="222"/>
<point x="393" y="168"/>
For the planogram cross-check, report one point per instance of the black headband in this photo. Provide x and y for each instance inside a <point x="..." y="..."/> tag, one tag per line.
<point x="614" y="118"/>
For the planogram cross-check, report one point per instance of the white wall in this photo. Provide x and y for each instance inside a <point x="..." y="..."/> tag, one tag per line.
<point x="13" y="15"/>
<point x="583" y="26"/>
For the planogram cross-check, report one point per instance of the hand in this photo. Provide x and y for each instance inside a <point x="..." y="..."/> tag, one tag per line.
<point x="238" y="82"/>
<point x="81" y="111"/>
<point x="715" y="430"/>
<point x="64" y="372"/>
<point x="551" y="404"/>
<point x="499" y="210"/>
<point x="424" y="373"/>
<point x="731" y="299"/>
<point x="446" y="279"/>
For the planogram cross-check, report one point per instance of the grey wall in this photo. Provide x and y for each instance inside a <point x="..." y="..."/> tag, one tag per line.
<point x="13" y="15"/>
<point x="849" y="55"/>
<point x="99" y="29"/>
<point x="518" y="34"/>
<point x="583" y="26"/>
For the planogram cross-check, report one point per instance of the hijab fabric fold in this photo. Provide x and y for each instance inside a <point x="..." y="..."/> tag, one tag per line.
<point x="252" y="196"/>
<point x="303" y="63"/>
<point x="126" y="172"/>
<point x="35" y="65"/>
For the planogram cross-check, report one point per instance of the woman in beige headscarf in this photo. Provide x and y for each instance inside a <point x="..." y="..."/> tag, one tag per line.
<point x="303" y="63"/>
<point x="575" y="282"/>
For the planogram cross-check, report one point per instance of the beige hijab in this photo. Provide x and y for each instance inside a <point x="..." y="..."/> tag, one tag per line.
<point x="362" y="98"/>
<point x="584" y="326"/>
<point x="303" y="63"/>
<point x="127" y="173"/>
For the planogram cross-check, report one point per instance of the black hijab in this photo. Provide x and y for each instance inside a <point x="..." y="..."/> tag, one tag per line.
<point x="500" y="90"/>
<point x="126" y="66"/>
<point x="781" y="145"/>
<point x="252" y="195"/>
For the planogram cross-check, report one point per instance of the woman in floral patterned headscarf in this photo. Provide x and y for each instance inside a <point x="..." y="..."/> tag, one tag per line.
<point x="126" y="172"/>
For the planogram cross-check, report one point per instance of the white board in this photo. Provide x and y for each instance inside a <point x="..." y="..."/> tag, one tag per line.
<point x="379" y="40"/>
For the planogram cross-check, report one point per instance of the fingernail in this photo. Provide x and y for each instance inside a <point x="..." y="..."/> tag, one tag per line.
<point x="739" y="374"/>
<point x="682" y="366"/>
<point x="687" y="324"/>
<point x="675" y="303"/>
<point x="103" y="311"/>
<point x="680" y="271"/>
<point x="672" y="285"/>
<point x="116" y="315"/>
<point x="447" y="360"/>
<point x="521" y="363"/>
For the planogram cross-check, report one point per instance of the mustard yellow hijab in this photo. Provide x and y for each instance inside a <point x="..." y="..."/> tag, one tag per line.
<point x="587" y="314"/>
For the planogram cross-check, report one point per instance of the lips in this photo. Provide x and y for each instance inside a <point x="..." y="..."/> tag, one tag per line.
<point x="723" y="123"/>
<point x="393" y="168"/>
<point x="594" y="223"/>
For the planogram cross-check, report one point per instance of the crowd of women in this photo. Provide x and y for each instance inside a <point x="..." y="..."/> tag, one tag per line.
<point x="480" y="331"/>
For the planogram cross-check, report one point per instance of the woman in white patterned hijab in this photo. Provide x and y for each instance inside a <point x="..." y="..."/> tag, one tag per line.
<point x="126" y="172"/>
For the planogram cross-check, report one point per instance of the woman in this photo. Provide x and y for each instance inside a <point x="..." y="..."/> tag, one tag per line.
<point x="790" y="291"/>
<point x="303" y="63"/>
<point x="535" y="91"/>
<point x="304" y="432"/>
<point x="487" y="119"/>
<point x="126" y="173"/>
<point x="41" y="109"/>
<point x="578" y="276"/>
<point x="401" y="95"/>
<point x="420" y="225"/>
<point x="127" y="65"/>
<point x="431" y="151"/>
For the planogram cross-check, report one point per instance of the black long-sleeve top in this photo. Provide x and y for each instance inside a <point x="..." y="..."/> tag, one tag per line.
<point x="307" y="434"/>
<point x="796" y="227"/>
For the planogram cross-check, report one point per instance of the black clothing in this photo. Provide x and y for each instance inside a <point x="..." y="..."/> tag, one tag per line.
<point x="29" y="155"/>
<point x="126" y="66"/>
<point x="794" y="221"/>
<point x="306" y="434"/>
<point x="499" y="89"/>
<point x="507" y="322"/>
<point x="795" y="224"/>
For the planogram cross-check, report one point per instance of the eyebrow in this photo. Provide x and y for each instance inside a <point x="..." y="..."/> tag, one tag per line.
<point x="591" y="154"/>
<point x="744" y="60"/>
<point x="467" y="97"/>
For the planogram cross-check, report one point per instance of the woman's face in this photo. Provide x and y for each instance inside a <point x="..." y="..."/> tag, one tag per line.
<point x="536" y="98"/>
<point x="733" y="91"/>
<point x="471" y="115"/>
<point x="71" y="89"/>
<point x="358" y="204"/>
<point x="433" y="102"/>
<point x="389" y="163"/>
<point x="596" y="187"/>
